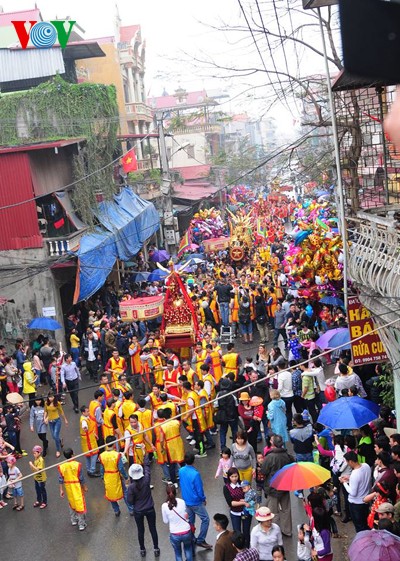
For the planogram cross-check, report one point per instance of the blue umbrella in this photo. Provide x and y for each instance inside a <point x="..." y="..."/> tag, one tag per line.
<point x="44" y="323"/>
<point x="141" y="276"/>
<point x="332" y="301"/>
<point x="348" y="413"/>
<point x="159" y="256"/>
<point x="157" y="275"/>
<point x="340" y="339"/>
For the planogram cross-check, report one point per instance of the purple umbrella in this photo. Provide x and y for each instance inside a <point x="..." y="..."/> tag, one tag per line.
<point x="375" y="545"/>
<point x="324" y="341"/>
<point x="160" y="255"/>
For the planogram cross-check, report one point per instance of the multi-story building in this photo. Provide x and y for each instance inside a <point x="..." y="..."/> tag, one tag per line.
<point x="124" y="67"/>
<point x="50" y="138"/>
<point x="197" y="132"/>
<point x="370" y="167"/>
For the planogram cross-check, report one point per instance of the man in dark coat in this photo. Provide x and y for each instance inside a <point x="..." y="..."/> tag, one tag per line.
<point x="277" y="501"/>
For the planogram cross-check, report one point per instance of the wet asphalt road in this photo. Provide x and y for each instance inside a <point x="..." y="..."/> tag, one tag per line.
<point x="47" y="534"/>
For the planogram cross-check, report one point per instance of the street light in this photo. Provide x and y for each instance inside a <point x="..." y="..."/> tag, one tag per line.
<point x="309" y="4"/>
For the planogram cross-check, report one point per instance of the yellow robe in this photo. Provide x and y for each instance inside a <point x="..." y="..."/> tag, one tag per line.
<point x="88" y="437"/>
<point x="173" y="443"/>
<point x="112" y="477"/>
<point x="70" y="471"/>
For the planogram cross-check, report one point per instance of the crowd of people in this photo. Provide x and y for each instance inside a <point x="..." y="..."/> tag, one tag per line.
<point x="155" y="405"/>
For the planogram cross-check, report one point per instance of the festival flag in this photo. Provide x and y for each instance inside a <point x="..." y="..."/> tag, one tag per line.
<point x="261" y="230"/>
<point x="184" y="244"/>
<point x="129" y="161"/>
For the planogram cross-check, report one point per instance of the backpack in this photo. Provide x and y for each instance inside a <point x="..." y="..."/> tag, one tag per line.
<point x="244" y="314"/>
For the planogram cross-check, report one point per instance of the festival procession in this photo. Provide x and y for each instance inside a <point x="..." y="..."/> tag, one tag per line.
<point x="227" y="391"/>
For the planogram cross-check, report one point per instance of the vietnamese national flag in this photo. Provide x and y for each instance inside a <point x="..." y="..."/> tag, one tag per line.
<point x="129" y="161"/>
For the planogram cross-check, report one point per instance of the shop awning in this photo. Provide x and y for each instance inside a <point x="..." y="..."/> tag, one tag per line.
<point x="126" y="223"/>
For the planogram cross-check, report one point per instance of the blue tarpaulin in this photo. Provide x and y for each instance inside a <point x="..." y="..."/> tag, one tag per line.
<point x="127" y="222"/>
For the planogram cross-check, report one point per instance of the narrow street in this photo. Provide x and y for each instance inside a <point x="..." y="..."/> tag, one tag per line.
<point x="106" y="536"/>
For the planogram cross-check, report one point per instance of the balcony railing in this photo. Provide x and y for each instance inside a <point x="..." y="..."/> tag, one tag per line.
<point x="144" y="165"/>
<point x="207" y="128"/>
<point x="139" y="111"/>
<point x="65" y="244"/>
<point x="374" y="256"/>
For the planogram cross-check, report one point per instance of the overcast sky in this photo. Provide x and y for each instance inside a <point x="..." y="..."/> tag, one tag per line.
<point x="178" y="31"/>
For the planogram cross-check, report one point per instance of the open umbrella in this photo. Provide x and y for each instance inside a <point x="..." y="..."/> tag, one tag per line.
<point x="300" y="475"/>
<point x="47" y="324"/>
<point x="341" y="339"/>
<point x="375" y="545"/>
<point x="194" y="256"/>
<point x="332" y="301"/>
<point x="348" y="413"/>
<point x="157" y="275"/>
<point x="159" y="256"/>
<point x="324" y="342"/>
<point x="141" y="276"/>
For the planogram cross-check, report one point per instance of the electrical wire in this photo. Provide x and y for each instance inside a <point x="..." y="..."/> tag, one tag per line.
<point x="209" y="402"/>
<point x="262" y="59"/>
<point x="76" y="182"/>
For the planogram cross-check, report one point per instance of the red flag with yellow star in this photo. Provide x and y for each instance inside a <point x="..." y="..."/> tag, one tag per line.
<point x="129" y="161"/>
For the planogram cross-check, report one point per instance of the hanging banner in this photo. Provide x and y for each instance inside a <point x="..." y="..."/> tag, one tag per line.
<point x="215" y="244"/>
<point x="370" y="348"/>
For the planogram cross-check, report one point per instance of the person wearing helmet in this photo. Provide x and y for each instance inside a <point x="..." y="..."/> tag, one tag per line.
<point x="14" y="483"/>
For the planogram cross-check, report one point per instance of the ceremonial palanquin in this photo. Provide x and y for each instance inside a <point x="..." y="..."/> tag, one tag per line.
<point x="179" y="325"/>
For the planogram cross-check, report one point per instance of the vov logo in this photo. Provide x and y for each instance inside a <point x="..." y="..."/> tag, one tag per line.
<point x="43" y="34"/>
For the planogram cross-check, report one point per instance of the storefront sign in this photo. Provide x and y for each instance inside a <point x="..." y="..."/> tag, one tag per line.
<point x="49" y="312"/>
<point x="370" y="348"/>
<point x="141" y="309"/>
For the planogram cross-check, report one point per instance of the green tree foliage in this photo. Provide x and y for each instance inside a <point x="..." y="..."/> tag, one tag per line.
<point x="58" y="110"/>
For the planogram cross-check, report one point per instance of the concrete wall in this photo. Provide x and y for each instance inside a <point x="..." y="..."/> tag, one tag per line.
<point x="181" y="158"/>
<point x="31" y="289"/>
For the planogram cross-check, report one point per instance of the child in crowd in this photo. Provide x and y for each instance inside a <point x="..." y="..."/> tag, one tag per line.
<point x="224" y="464"/>
<point x="250" y="496"/>
<point x="14" y="483"/>
<point x="304" y="546"/>
<point x="36" y="466"/>
<point x="294" y="347"/>
<point x="260" y="478"/>
<point x="249" y="363"/>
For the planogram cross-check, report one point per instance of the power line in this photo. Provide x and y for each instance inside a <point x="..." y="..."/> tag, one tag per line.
<point x="13" y="205"/>
<point x="209" y="402"/>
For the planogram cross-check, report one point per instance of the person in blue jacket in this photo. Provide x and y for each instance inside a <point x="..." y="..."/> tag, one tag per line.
<point x="193" y="494"/>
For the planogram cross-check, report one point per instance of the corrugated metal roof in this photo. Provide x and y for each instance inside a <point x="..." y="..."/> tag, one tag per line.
<point x="19" y="227"/>
<point x="26" y="64"/>
<point x="28" y="15"/>
<point x="41" y="145"/>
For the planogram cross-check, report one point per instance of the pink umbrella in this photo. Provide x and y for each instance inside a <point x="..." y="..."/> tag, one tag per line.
<point x="375" y="545"/>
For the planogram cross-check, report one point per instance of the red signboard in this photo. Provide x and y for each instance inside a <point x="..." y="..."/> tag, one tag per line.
<point x="370" y="348"/>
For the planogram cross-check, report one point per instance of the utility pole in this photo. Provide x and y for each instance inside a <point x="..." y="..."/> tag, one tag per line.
<point x="167" y="225"/>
